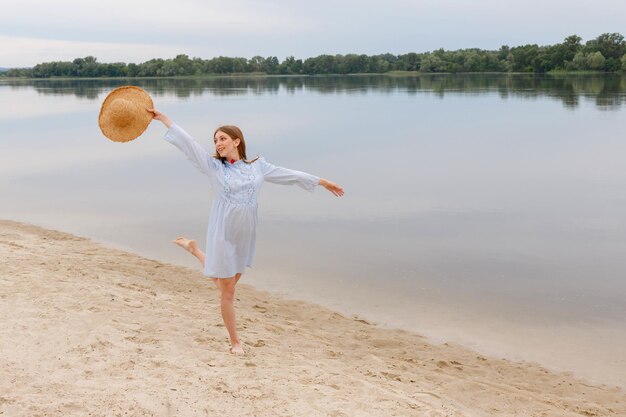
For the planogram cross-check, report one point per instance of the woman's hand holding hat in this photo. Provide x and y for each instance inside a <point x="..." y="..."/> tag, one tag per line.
<point x="157" y="115"/>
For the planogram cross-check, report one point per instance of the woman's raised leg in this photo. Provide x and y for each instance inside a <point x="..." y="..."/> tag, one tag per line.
<point x="191" y="246"/>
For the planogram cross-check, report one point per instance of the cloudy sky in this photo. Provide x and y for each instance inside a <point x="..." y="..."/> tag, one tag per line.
<point x="33" y="31"/>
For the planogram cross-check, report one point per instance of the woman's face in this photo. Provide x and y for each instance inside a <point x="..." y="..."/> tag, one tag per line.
<point x="225" y="146"/>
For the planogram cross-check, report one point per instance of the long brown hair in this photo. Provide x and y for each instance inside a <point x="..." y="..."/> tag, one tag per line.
<point x="235" y="133"/>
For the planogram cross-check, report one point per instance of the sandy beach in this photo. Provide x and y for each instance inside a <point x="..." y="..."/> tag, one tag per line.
<point x="89" y="330"/>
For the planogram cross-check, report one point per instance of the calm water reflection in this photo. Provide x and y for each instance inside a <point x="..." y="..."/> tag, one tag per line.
<point x="606" y="90"/>
<point x="486" y="209"/>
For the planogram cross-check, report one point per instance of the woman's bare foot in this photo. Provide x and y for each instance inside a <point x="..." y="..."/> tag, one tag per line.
<point x="237" y="349"/>
<point x="187" y="244"/>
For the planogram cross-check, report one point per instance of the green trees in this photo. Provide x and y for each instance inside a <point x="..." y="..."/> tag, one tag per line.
<point x="601" y="54"/>
<point x="612" y="47"/>
<point x="607" y="52"/>
<point x="571" y="46"/>
<point x="432" y="63"/>
<point x="407" y="62"/>
<point x="579" y="62"/>
<point x="596" y="61"/>
<point x="290" y="66"/>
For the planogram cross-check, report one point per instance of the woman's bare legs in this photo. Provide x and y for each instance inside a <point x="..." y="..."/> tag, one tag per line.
<point x="227" y="291"/>
<point x="227" y="294"/>
<point x="191" y="247"/>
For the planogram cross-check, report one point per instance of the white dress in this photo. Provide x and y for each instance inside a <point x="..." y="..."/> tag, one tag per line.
<point x="231" y="235"/>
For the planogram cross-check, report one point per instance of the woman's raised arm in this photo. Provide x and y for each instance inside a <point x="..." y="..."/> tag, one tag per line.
<point x="188" y="145"/>
<point x="157" y="115"/>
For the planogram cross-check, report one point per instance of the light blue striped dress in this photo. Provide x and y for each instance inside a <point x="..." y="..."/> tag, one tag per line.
<point x="231" y="235"/>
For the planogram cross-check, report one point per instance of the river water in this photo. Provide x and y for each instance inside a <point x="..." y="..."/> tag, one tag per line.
<point x="487" y="210"/>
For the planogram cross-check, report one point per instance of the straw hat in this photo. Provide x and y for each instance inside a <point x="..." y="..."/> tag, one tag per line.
<point x="123" y="114"/>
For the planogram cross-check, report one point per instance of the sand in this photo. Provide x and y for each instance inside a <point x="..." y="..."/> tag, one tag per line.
<point x="88" y="330"/>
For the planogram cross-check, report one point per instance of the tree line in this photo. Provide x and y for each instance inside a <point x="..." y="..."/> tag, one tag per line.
<point x="607" y="53"/>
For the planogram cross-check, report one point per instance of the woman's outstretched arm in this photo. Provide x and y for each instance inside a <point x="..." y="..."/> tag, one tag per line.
<point x="332" y="187"/>
<point x="188" y="145"/>
<point x="157" y="115"/>
<point x="286" y="176"/>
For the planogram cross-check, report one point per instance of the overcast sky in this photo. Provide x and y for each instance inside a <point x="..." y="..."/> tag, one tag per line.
<point x="34" y="31"/>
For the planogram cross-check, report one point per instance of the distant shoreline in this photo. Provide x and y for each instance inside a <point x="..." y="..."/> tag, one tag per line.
<point x="605" y="53"/>
<point x="264" y="75"/>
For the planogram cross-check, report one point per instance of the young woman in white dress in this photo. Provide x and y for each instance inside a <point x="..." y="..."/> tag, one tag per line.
<point x="235" y="182"/>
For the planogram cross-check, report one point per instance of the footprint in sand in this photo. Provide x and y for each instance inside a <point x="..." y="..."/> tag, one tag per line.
<point x="259" y="308"/>
<point x="274" y="329"/>
<point x="203" y="340"/>
<point x="391" y="376"/>
<point x="133" y="303"/>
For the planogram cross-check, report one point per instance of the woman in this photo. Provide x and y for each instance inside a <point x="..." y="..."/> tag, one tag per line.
<point x="236" y="183"/>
